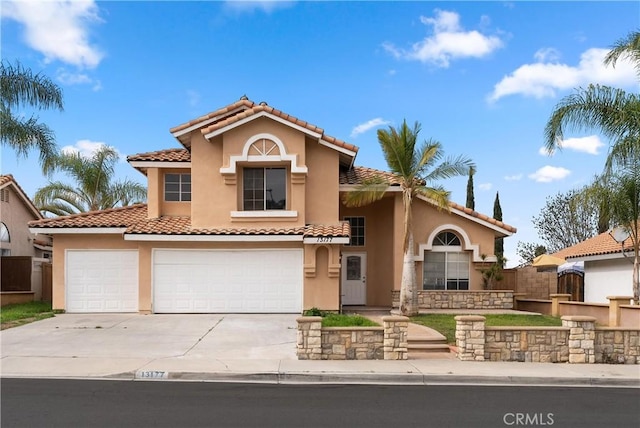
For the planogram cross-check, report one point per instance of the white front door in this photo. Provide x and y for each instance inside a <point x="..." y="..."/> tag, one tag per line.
<point x="354" y="278"/>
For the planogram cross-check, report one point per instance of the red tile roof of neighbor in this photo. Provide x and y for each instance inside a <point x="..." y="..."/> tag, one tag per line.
<point x="245" y="108"/>
<point x="168" y="155"/>
<point x="6" y="180"/>
<point x="598" y="245"/>
<point x="134" y="219"/>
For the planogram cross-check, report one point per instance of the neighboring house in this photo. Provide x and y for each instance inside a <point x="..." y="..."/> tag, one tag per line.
<point x="247" y="217"/>
<point x="608" y="271"/>
<point x="16" y="211"/>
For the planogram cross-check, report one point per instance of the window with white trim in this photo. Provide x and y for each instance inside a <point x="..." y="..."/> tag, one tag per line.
<point x="446" y="266"/>
<point x="264" y="189"/>
<point x="4" y="233"/>
<point x="177" y="187"/>
<point x="357" y="231"/>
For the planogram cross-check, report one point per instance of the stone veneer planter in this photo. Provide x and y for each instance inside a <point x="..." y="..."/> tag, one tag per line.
<point x="388" y="342"/>
<point x="578" y="341"/>
<point x="463" y="299"/>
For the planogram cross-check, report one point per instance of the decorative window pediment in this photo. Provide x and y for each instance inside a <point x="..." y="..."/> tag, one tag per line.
<point x="264" y="147"/>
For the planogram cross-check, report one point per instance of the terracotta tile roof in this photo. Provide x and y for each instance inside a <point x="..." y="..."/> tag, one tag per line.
<point x="598" y="245"/>
<point x="6" y="179"/>
<point x="358" y="174"/>
<point x="168" y="155"/>
<point x="114" y="217"/>
<point x="220" y="113"/>
<point x="134" y="218"/>
<point x="246" y="108"/>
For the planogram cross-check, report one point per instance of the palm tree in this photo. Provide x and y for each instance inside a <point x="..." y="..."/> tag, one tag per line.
<point x="415" y="168"/>
<point x="95" y="188"/>
<point x="19" y="87"/>
<point x="612" y="111"/>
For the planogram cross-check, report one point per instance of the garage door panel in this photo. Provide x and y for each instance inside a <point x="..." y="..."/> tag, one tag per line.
<point x="201" y="281"/>
<point x="101" y="281"/>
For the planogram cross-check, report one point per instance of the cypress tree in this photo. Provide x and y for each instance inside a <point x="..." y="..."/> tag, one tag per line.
<point x="499" y="244"/>
<point x="471" y="201"/>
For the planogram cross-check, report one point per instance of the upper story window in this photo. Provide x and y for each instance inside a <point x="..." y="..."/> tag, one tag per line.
<point x="264" y="189"/>
<point x="177" y="187"/>
<point x="357" y="231"/>
<point x="4" y="233"/>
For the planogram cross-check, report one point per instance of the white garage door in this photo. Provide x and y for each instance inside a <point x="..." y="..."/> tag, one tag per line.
<point x="218" y="281"/>
<point x="102" y="281"/>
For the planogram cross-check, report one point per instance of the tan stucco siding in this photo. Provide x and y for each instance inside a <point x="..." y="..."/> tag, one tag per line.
<point x="321" y="284"/>
<point x="155" y="192"/>
<point x="322" y="201"/>
<point x="379" y="247"/>
<point x="212" y="199"/>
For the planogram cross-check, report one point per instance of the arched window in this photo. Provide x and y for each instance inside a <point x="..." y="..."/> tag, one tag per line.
<point x="446" y="265"/>
<point x="4" y="233"/>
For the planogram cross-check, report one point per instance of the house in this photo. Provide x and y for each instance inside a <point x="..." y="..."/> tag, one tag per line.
<point x="608" y="270"/>
<point x="22" y="252"/>
<point x="247" y="216"/>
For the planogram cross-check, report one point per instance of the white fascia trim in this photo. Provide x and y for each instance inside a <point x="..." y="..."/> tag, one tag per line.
<point x="158" y="164"/>
<point x="428" y="246"/>
<point x="326" y="240"/>
<point x="337" y="148"/>
<point x="77" y="230"/>
<point x="214" y="238"/>
<point x="600" y="257"/>
<point x="203" y="123"/>
<point x="351" y="187"/>
<point x="472" y="218"/>
<point x="245" y="157"/>
<point x="264" y="214"/>
<point x="259" y="115"/>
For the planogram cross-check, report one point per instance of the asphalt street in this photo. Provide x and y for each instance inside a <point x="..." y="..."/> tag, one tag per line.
<point x="107" y="403"/>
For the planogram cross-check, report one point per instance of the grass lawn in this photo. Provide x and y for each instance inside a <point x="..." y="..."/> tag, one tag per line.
<point x="24" y="313"/>
<point x="344" y="320"/>
<point x="446" y="323"/>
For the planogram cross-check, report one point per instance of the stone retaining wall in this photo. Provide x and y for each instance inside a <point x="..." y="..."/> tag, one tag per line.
<point x="463" y="299"/>
<point x="352" y="343"/>
<point x="577" y="341"/>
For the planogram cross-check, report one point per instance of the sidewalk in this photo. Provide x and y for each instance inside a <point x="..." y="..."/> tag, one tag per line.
<point x="246" y="348"/>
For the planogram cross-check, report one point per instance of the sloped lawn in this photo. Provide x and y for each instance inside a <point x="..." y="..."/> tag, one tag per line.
<point x="24" y="313"/>
<point x="446" y="323"/>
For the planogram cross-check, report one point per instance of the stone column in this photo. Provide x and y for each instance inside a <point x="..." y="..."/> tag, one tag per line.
<point x="614" y="308"/>
<point x="555" y="303"/>
<point x="582" y="335"/>
<point x="309" y="345"/>
<point x="470" y="337"/>
<point x="395" y="337"/>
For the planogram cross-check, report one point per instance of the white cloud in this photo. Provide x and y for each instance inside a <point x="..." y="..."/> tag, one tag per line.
<point x="547" y="174"/>
<point x="515" y="177"/>
<point x="449" y="41"/>
<point x="68" y="78"/>
<point x="193" y="97"/>
<point x="590" y="145"/>
<point x="266" y="6"/>
<point x="544" y="78"/>
<point x="485" y="186"/>
<point x="87" y="148"/>
<point x="364" y="127"/>
<point x="58" y="29"/>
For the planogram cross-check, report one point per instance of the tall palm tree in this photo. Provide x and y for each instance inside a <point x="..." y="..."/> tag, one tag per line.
<point x="416" y="168"/>
<point x="612" y="111"/>
<point x="94" y="188"/>
<point x="19" y="88"/>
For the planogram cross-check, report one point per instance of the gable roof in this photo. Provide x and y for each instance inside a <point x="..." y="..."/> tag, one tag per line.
<point x="356" y="175"/>
<point x="245" y="110"/>
<point x="598" y="247"/>
<point x="132" y="220"/>
<point x="8" y="181"/>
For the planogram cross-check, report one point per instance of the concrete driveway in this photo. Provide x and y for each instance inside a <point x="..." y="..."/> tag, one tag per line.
<point x="134" y="336"/>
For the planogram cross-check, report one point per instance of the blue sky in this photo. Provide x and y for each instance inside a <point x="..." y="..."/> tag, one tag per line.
<point x="481" y="77"/>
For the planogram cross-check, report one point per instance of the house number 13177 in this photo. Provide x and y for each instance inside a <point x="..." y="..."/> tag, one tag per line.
<point x="324" y="239"/>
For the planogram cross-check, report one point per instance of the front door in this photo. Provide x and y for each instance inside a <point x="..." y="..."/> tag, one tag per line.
<point x="354" y="281"/>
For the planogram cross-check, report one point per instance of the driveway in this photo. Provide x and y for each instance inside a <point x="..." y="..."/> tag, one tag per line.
<point x="133" y="336"/>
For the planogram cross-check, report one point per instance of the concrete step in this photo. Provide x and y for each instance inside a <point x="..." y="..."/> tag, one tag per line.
<point x="432" y="340"/>
<point x="427" y="347"/>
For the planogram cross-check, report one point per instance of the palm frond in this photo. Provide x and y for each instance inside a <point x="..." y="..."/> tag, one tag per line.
<point x="628" y="47"/>
<point x="18" y="86"/>
<point x="437" y="195"/>
<point x="367" y="192"/>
